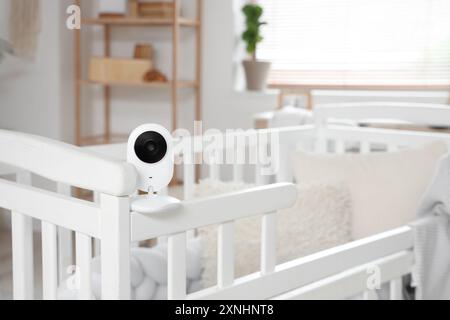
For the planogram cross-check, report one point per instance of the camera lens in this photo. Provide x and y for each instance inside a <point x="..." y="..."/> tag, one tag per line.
<point x="150" y="147"/>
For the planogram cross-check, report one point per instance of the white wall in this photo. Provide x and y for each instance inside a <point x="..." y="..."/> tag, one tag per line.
<point x="31" y="91"/>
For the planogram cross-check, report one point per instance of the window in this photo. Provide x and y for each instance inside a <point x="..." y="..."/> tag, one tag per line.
<point x="357" y="42"/>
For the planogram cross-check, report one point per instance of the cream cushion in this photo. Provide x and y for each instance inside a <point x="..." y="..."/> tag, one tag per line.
<point x="386" y="187"/>
<point x="320" y="219"/>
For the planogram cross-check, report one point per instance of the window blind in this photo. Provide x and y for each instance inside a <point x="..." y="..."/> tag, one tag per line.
<point x="357" y="42"/>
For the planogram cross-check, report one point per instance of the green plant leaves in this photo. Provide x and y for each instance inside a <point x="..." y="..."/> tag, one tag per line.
<point x="252" y="11"/>
<point x="252" y="35"/>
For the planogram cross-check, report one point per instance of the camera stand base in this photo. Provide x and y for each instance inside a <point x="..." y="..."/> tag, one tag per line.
<point x="154" y="204"/>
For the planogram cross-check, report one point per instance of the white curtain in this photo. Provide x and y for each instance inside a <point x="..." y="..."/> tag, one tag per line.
<point x="345" y="42"/>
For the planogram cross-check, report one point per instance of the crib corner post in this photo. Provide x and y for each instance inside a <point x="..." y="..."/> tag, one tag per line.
<point x="115" y="247"/>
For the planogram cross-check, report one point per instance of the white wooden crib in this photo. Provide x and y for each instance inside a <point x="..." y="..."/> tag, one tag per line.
<point x="336" y="273"/>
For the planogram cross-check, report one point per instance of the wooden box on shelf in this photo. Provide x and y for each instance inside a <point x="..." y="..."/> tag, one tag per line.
<point x="133" y="7"/>
<point x="143" y="51"/>
<point x="155" y="9"/>
<point x="118" y="70"/>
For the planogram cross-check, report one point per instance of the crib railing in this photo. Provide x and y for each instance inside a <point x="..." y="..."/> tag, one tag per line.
<point x="371" y="139"/>
<point x="320" y="275"/>
<point x="337" y="273"/>
<point x="337" y="282"/>
<point x="287" y="139"/>
<point x="220" y="210"/>
<point x="422" y="114"/>
<point x="318" y="139"/>
<point x="109" y="220"/>
<point x="69" y="166"/>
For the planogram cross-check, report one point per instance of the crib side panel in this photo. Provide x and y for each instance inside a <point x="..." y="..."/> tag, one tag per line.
<point x="56" y="212"/>
<point x="352" y="282"/>
<point x="297" y="274"/>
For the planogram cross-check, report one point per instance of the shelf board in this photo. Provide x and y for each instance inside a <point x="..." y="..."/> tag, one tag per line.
<point x="180" y="84"/>
<point x="130" y="21"/>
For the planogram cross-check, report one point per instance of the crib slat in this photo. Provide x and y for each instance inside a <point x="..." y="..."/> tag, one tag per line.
<point x="213" y="164"/>
<point x="392" y="147"/>
<point x="225" y="254"/>
<point x="238" y="173"/>
<point x="214" y="171"/>
<point x="97" y="247"/>
<point x="65" y="252"/>
<point x="339" y="146"/>
<point x="83" y="259"/>
<point x="188" y="189"/>
<point x="49" y="261"/>
<point x="365" y="147"/>
<point x="115" y="247"/>
<point x="22" y="255"/>
<point x="395" y="287"/>
<point x="65" y="258"/>
<point x="370" y="295"/>
<point x="268" y="243"/>
<point x="176" y="282"/>
<point x="284" y="171"/>
<point x="320" y="145"/>
<point x="260" y="179"/>
<point x="188" y="180"/>
<point x="22" y="246"/>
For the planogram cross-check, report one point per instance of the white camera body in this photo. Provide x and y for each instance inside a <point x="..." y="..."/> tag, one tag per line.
<point x="153" y="174"/>
<point x="150" y="151"/>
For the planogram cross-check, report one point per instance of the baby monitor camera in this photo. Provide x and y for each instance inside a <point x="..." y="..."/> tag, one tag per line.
<point x="150" y="151"/>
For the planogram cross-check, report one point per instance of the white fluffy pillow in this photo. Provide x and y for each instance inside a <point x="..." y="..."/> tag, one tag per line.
<point x="320" y="219"/>
<point x="386" y="187"/>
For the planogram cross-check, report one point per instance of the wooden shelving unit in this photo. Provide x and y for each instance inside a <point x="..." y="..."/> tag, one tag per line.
<point x="173" y="85"/>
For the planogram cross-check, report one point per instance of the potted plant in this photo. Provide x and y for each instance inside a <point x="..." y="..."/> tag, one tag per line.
<point x="256" y="71"/>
